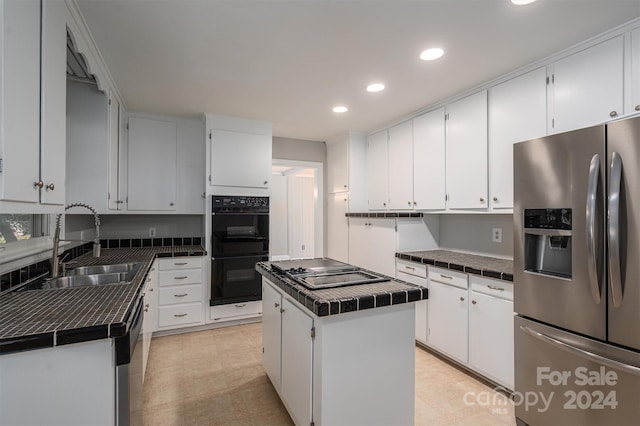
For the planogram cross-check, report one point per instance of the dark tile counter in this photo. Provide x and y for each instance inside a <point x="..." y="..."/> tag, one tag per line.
<point x="34" y="319"/>
<point x="486" y="266"/>
<point x="339" y="300"/>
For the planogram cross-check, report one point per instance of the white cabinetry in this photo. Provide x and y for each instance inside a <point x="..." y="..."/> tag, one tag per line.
<point x="151" y="168"/>
<point x="338" y="226"/>
<point x="401" y="166"/>
<point x="466" y="162"/>
<point x="180" y="292"/>
<point x="586" y="88"/>
<point x="429" y="161"/>
<point x="377" y="171"/>
<point x="149" y="313"/>
<point x="491" y="329"/>
<point x="346" y="168"/>
<point x="632" y="73"/>
<point x="338" y="166"/>
<point x="517" y="112"/>
<point x="239" y="153"/>
<point x="271" y="333"/>
<point x="448" y="313"/>
<point x="415" y="273"/>
<point x="117" y="164"/>
<point x="33" y="97"/>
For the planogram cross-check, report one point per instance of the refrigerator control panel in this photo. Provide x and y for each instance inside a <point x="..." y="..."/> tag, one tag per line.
<point x="547" y="219"/>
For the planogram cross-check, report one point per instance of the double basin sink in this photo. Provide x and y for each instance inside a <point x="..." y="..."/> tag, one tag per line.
<point x="95" y="275"/>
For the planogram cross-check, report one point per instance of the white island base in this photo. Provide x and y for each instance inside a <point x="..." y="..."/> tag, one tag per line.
<point x="357" y="370"/>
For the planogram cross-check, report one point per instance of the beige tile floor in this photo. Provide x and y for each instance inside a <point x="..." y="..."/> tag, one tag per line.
<point x="215" y="377"/>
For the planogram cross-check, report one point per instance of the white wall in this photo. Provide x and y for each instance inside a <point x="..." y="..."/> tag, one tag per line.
<point x="278" y="232"/>
<point x="472" y="233"/>
<point x="301" y="211"/>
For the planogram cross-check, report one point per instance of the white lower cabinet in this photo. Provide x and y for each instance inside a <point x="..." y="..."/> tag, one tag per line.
<point x="149" y="324"/>
<point x="271" y="333"/>
<point x="415" y="273"/>
<point x="180" y="292"/>
<point x="491" y="329"/>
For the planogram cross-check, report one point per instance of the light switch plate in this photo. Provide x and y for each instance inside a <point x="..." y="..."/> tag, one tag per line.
<point x="152" y="232"/>
<point x="496" y="235"/>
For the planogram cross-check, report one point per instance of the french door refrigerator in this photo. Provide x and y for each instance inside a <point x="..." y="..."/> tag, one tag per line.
<point x="576" y="277"/>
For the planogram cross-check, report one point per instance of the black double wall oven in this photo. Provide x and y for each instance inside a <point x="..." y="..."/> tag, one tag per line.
<point x="239" y="239"/>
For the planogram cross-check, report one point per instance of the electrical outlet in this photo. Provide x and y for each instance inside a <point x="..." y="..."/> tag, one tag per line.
<point x="496" y="235"/>
<point x="152" y="232"/>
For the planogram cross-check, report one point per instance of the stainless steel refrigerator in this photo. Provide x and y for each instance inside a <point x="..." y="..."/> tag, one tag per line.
<point x="577" y="277"/>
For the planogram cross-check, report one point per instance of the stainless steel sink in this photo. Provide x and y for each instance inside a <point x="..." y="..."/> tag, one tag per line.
<point x="130" y="268"/>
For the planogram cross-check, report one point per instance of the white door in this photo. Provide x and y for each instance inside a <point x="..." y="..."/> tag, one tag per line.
<point x="491" y="337"/>
<point x="447" y="320"/>
<point x="467" y="152"/>
<point x="297" y="362"/>
<point x="377" y="171"/>
<point x="240" y="159"/>
<point x="401" y="166"/>
<point x="338" y="167"/>
<point x="271" y="333"/>
<point x="517" y="112"/>
<point x="429" y="161"/>
<point x="586" y="88"/>
<point x="338" y="227"/>
<point x="152" y="164"/>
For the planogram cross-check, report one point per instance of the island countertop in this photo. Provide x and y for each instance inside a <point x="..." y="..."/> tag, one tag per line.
<point x="339" y="300"/>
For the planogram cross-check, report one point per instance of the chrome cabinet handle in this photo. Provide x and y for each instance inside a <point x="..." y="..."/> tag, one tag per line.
<point x="632" y="369"/>
<point x="592" y="192"/>
<point x="181" y="295"/>
<point x="613" y="114"/>
<point x="409" y="202"/>
<point x="495" y="199"/>
<point x="384" y="204"/>
<point x="180" y="263"/>
<point x="281" y="311"/>
<point x="181" y="278"/>
<point x="179" y="315"/>
<point x="613" y="231"/>
<point x="241" y="305"/>
<point x="461" y="299"/>
<point x="410" y="267"/>
<point x="474" y="302"/>
<point x="495" y="288"/>
<point x="119" y="202"/>
<point x="151" y="289"/>
<point x="50" y="187"/>
<point x="481" y="200"/>
<point x="146" y="308"/>
<point x="446" y="276"/>
<point x="415" y="204"/>
<point x="171" y="204"/>
<point x="345" y="186"/>
<point x="38" y="184"/>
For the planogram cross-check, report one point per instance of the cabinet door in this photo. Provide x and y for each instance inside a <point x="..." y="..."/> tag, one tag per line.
<point x="115" y="202"/>
<point x="381" y="246"/>
<point x="401" y="166"/>
<point x="359" y="241"/>
<point x="271" y="332"/>
<point x="467" y="152"/>
<point x="491" y="337"/>
<point x="447" y="320"/>
<point x="53" y="101"/>
<point x="632" y="83"/>
<point x="152" y="164"/>
<point x="429" y="161"/>
<point x="20" y="97"/>
<point x="338" y="227"/>
<point x="338" y="166"/>
<point x="240" y="159"/>
<point x="377" y="171"/>
<point x="586" y="88"/>
<point x="297" y="362"/>
<point x="517" y="112"/>
<point x="421" y="306"/>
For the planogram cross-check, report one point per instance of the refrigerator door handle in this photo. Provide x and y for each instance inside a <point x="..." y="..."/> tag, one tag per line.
<point x="613" y="230"/>
<point x="592" y="196"/>
<point x="631" y="369"/>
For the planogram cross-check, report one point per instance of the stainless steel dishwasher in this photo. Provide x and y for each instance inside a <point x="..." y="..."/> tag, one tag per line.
<point x="129" y="372"/>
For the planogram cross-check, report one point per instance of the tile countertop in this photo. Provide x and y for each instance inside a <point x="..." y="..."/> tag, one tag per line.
<point x="339" y="300"/>
<point x="36" y="319"/>
<point x="491" y="267"/>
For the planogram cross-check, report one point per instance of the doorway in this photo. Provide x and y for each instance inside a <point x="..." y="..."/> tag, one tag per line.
<point x="296" y="210"/>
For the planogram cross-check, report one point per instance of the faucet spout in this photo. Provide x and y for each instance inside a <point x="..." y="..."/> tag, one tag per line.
<point x="55" y="259"/>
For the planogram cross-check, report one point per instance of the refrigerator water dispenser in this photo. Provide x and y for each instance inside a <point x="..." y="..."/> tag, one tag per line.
<point x="547" y="245"/>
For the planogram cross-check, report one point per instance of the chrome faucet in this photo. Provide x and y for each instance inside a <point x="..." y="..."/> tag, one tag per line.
<point x="55" y="259"/>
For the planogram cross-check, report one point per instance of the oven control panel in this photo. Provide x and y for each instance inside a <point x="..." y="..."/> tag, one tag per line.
<point x="238" y="202"/>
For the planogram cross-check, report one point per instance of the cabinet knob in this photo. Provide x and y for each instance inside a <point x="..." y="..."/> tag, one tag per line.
<point x="171" y="204"/>
<point x="415" y="203"/>
<point x="266" y="182"/>
<point x="613" y="114"/>
<point x="51" y="186"/>
<point x="275" y="305"/>
<point x="637" y="108"/>
<point x="38" y="184"/>
<point x="461" y="299"/>
<point x="481" y="200"/>
<point x="345" y="186"/>
<point x="119" y="202"/>
<point x="409" y="202"/>
<point x="384" y="204"/>
<point x="474" y="302"/>
<point x="282" y="311"/>
<point x="203" y="195"/>
<point x="151" y="289"/>
<point x="495" y="199"/>
<point x="345" y="199"/>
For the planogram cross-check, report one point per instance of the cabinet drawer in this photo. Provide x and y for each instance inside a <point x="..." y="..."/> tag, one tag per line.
<point x="422" y="282"/>
<point x="181" y="294"/>
<point x="187" y="276"/>
<point x="180" y="263"/>
<point x="496" y="288"/>
<point x="447" y="276"/>
<point x="411" y="268"/>
<point x="235" y="310"/>
<point x="179" y="314"/>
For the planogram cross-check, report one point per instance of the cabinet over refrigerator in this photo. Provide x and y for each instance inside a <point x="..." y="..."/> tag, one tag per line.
<point x="576" y="269"/>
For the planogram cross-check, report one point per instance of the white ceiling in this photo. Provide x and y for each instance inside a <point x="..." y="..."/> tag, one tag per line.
<point x="291" y="61"/>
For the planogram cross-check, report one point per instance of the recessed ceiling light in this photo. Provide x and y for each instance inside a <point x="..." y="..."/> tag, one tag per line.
<point x="340" y="109"/>
<point x="375" y="87"/>
<point x="521" y="2"/>
<point x="431" y="54"/>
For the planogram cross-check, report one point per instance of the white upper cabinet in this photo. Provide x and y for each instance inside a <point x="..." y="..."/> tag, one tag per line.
<point x="429" y="161"/>
<point x="338" y="166"/>
<point x="116" y="183"/>
<point x="151" y="176"/>
<point x="586" y="88"/>
<point x="346" y="168"/>
<point x="632" y="73"/>
<point x="517" y="112"/>
<point x="466" y="174"/>
<point x="238" y="159"/>
<point x="338" y="227"/>
<point x="377" y="175"/>
<point x="401" y="166"/>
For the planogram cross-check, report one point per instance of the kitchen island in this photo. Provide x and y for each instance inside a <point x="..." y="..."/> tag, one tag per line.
<point x="343" y="355"/>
